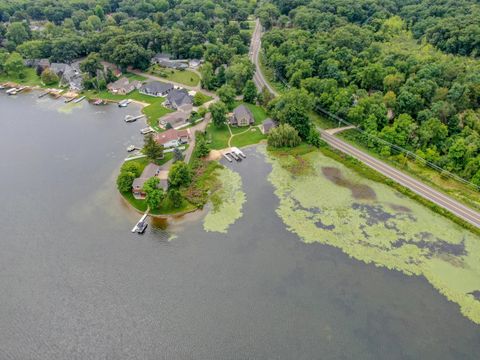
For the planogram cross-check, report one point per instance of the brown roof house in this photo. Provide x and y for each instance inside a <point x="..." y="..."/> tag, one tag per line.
<point x="123" y="86"/>
<point x="242" y="116"/>
<point x="173" y="138"/>
<point x="151" y="170"/>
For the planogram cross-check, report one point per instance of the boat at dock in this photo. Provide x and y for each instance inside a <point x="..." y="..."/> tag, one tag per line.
<point x="239" y="152"/>
<point x="146" y="130"/>
<point x="141" y="225"/>
<point x="227" y="157"/>
<point x="43" y="94"/>
<point x="131" y="118"/>
<point x="69" y="99"/>
<point x="235" y="156"/>
<point x="124" y="103"/>
<point x="76" y="101"/>
<point x="131" y="148"/>
<point x="12" y="91"/>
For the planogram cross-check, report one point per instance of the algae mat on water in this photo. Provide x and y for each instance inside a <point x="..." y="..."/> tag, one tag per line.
<point x="227" y="202"/>
<point x="370" y="221"/>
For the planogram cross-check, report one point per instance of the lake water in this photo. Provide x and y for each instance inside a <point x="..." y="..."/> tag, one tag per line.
<point x="76" y="284"/>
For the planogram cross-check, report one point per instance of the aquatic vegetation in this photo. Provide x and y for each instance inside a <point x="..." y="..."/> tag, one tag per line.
<point x="373" y="223"/>
<point x="226" y="202"/>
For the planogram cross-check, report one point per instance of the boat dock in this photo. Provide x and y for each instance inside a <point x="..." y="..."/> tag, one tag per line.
<point x="76" y="101"/>
<point x="146" y="131"/>
<point x="131" y="118"/>
<point x="141" y="225"/>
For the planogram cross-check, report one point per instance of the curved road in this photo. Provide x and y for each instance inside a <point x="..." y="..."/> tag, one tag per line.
<point x="463" y="212"/>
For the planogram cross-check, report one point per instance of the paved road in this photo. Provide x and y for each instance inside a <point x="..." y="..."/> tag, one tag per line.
<point x="255" y="47"/>
<point x="456" y="208"/>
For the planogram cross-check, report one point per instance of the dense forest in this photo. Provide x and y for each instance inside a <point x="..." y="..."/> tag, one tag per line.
<point x="370" y="62"/>
<point x="126" y="32"/>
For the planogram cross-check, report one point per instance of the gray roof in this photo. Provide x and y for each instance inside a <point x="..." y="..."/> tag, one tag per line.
<point x="150" y="171"/>
<point x="156" y="87"/>
<point x="241" y="111"/>
<point x="268" y="124"/>
<point x="178" y="98"/>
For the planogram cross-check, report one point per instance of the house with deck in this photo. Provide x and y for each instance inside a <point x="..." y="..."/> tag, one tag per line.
<point x="69" y="75"/>
<point x="156" y="88"/>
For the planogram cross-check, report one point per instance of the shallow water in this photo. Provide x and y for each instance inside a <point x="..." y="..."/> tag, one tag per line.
<point x="76" y="284"/>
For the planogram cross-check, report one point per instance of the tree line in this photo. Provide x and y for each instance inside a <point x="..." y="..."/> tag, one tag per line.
<point x="128" y="32"/>
<point x="366" y="66"/>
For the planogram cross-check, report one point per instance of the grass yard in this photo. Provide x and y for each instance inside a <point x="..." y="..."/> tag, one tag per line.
<point x="218" y="137"/>
<point x="153" y="113"/>
<point x="185" y="77"/>
<point x="252" y="136"/>
<point x="132" y="76"/>
<point x="30" y="78"/>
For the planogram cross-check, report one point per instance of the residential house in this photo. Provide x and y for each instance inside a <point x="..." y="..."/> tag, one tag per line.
<point x="69" y="75"/>
<point x="242" y="116"/>
<point x="123" y="86"/>
<point x="177" y="98"/>
<point x="164" y="60"/>
<point x="176" y="119"/>
<point x="151" y="170"/>
<point x="267" y="125"/>
<point x="173" y="138"/>
<point x="156" y="88"/>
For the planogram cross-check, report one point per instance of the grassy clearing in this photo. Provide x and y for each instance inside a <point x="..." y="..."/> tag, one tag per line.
<point x="30" y="78"/>
<point x="252" y="136"/>
<point x="133" y="76"/>
<point x="185" y="77"/>
<point x="218" y="137"/>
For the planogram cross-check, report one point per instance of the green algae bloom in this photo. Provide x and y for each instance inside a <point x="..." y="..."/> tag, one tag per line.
<point x="373" y="223"/>
<point x="227" y="202"/>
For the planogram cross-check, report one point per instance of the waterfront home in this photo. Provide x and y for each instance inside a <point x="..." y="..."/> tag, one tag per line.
<point x="69" y="75"/>
<point x="267" y="125"/>
<point x="123" y="86"/>
<point x="173" y="138"/>
<point x="176" y="119"/>
<point x="178" y="98"/>
<point x="151" y="170"/>
<point x="242" y="116"/>
<point x="156" y="88"/>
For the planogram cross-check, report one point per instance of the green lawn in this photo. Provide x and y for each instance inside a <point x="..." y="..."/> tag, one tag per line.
<point x="133" y="76"/>
<point x="153" y="113"/>
<point x="30" y="78"/>
<point x="253" y="136"/>
<point x="218" y="137"/>
<point x="185" y="77"/>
